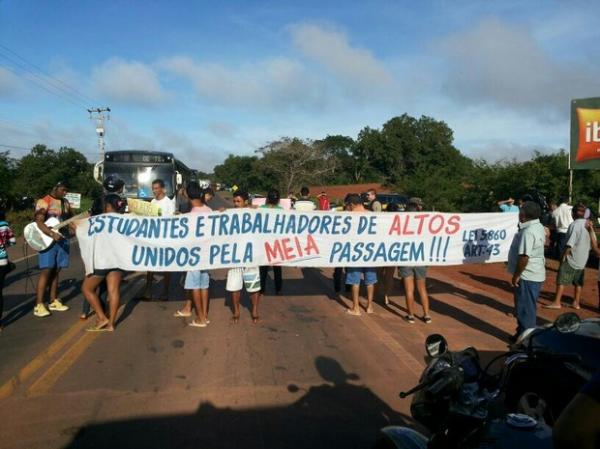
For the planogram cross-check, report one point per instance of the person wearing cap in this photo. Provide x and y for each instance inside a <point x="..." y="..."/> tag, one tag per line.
<point x="416" y="203"/>
<point x="271" y="202"/>
<point x="56" y="257"/>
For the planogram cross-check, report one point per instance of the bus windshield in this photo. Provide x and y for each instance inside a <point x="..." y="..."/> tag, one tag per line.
<point x="138" y="178"/>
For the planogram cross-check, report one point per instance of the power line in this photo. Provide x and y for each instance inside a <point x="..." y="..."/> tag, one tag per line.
<point x="47" y="75"/>
<point x="42" y="86"/>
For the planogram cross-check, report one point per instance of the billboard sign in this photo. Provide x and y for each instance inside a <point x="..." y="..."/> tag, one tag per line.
<point x="585" y="133"/>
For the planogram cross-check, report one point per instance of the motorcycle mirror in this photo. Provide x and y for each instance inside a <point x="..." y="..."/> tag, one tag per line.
<point x="567" y="323"/>
<point x="436" y="345"/>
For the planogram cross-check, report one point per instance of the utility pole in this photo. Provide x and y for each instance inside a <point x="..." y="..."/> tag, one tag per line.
<point x="98" y="115"/>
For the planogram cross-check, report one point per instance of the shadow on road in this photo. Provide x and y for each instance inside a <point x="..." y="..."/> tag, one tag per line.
<point x="20" y="305"/>
<point x="334" y="414"/>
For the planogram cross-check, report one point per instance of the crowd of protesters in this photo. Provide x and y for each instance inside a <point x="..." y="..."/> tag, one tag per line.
<point x="567" y="230"/>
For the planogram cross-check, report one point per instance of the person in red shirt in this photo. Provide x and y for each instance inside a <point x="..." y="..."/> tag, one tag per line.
<point x="323" y="201"/>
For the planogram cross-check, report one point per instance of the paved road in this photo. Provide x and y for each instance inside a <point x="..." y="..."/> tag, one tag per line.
<point x="308" y="375"/>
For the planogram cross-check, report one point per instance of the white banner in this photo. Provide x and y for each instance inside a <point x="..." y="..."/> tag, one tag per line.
<point x="251" y="237"/>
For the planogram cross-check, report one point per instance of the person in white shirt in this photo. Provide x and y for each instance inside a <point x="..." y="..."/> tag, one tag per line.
<point x="563" y="217"/>
<point x="166" y="209"/>
<point x="304" y="203"/>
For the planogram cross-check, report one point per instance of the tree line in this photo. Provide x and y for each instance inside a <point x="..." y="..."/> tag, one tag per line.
<point x="412" y="156"/>
<point x="36" y="173"/>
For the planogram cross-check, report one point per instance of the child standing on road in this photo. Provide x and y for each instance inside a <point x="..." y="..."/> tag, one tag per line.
<point x="7" y="238"/>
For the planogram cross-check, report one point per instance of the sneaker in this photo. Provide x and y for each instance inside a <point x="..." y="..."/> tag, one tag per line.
<point x="427" y="319"/>
<point x="58" y="306"/>
<point x="410" y="319"/>
<point x="40" y="311"/>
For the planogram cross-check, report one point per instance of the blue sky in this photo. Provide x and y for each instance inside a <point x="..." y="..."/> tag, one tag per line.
<point x="205" y="80"/>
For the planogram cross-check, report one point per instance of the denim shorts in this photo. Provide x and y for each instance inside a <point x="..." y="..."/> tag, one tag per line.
<point x="353" y="275"/>
<point x="199" y="279"/>
<point x="416" y="272"/>
<point x="55" y="256"/>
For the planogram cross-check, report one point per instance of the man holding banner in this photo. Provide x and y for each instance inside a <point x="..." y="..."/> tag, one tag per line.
<point x="166" y="209"/>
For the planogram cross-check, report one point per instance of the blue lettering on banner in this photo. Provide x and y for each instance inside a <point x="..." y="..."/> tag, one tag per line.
<point x="200" y="223"/>
<point x="368" y="224"/>
<point x="230" y="254"/>
<point x="377" y="252"/>
<point x="165" y="257"/>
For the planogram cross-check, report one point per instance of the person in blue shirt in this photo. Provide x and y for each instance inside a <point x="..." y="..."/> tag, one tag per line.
<point x="508" y="205"/>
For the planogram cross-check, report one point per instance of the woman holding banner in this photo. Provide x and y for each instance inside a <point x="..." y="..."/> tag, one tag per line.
<point x="415" y="275"/>
<point x="111" y="203"/>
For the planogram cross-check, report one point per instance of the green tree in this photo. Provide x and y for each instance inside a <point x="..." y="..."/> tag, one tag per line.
<point x="7" y="167"/>
<point x="295" y="162"/>
<point x="37" y="172"/>
<point x="340" y="148"/>
<point x="246" y="172"/>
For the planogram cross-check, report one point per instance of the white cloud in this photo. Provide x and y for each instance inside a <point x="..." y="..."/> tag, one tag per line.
<point x="128" y="82"/>
<point x="503" y="65"/>
<point x="9" y="83"/>
<point x="279" y="82"/>
<point x="357" y="68"/>
<point x="185" y="145"/>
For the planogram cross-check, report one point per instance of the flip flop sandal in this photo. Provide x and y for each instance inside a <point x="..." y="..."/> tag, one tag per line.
<point x="255" y="319"/>
<point x="195" y="324"/>
<point x="573" y="306"/>
<point x="180" y="314"/>
<point x="551" y="306"/>
<point x="235" y="319"/>
<point x="352" y="312"/>
<point x="99" y="328"/>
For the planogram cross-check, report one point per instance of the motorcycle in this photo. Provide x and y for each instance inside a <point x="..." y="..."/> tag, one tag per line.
<point x="549" y="365"/>
<point x="462" y="405"/>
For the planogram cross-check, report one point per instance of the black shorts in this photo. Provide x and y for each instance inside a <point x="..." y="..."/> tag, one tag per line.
<point x="104" y="272"/>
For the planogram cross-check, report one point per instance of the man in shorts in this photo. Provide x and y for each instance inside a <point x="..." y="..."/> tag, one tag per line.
<point x="353" y="274"/>
<point x="574" y="258"/>
<point x="56" y="257"/>
<point x="238" y="278"/>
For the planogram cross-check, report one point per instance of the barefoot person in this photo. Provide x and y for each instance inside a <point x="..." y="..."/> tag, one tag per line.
<point x="196" y="281"/>
<point x="415" y="275"/>
<point x="353" y="274"/>
<point x="111" y="203"/>
<point x="55" y="258"/>
<point x="573" y="259"/>
<point x="249" y="277"/>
